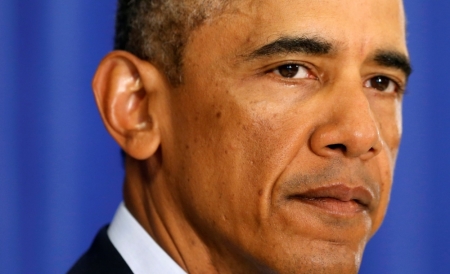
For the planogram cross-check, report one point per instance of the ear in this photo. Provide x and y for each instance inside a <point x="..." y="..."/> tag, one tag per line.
<point x="127" y="93"/>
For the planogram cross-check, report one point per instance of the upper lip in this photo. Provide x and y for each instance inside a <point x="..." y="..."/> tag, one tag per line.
<point x="360" y="194"/>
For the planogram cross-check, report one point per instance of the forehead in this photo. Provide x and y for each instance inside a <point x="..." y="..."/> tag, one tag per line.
<point x="361" y="26"/>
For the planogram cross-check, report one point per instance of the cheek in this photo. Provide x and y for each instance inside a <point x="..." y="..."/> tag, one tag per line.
<point x="232" y="152"/>
<point x="266" y="143"/>
<point x="385" y="167"/>
<point x="388" y="115"/>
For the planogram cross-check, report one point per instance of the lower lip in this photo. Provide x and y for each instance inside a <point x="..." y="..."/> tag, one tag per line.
<point x="334" y="206"/>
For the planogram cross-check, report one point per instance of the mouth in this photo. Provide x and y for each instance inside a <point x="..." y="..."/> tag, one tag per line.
<point x="337" y="199"/>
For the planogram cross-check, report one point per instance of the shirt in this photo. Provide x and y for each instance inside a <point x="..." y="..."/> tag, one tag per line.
<point x="137" y="247"/>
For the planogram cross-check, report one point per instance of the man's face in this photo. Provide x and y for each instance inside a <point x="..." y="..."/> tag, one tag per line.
<point x="280" y="144"/>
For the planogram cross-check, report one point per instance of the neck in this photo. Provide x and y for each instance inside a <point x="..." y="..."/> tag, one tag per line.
<point x="148" y="200"/>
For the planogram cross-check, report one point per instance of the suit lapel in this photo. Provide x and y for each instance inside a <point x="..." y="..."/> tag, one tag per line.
<point x="101" y="257"/>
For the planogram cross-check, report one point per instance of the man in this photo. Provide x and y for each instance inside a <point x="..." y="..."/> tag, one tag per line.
<point x="260" y="135"/>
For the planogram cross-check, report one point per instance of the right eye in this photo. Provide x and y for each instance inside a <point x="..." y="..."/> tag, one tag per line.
<point x="294" y="71"/>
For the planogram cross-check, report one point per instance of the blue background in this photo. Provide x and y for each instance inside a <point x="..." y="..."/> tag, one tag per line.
<point x="61" y="174"/>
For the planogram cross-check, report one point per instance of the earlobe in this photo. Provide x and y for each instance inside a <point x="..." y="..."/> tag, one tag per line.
<point x="126" y="99"/>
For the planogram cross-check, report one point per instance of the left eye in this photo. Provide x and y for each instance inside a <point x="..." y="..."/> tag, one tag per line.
<point x="381" y="83"/>
<point x="292" y="71"/>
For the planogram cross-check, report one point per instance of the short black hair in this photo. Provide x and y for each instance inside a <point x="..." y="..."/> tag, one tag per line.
<point x="157" y="30"/>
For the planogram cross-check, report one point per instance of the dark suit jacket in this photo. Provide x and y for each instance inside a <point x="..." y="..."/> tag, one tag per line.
<point x="101" y="257"/>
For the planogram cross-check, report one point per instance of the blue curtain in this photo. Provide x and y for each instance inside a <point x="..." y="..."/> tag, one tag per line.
<point x="61" y="174"/>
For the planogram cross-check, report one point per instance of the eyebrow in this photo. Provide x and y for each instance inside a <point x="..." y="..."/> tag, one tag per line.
<point x="319" y="46"/>
<point x="286" y="45"/>
<point x="393" y="59"/>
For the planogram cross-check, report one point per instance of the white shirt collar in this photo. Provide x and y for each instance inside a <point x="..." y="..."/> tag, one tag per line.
<point x="137" y="248"/>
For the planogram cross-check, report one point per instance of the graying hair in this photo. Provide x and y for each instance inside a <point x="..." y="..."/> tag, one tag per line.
<point x="157" y="30"/>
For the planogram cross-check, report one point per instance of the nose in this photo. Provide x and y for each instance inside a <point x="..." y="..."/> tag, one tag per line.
<point x="349" y="127"/>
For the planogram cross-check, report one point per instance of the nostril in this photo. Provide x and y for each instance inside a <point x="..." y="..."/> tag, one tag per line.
<point x="340" y="147"/>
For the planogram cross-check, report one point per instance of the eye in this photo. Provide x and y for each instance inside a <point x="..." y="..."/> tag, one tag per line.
<point x="382" y="83"/>
<point x="294" y="71"/>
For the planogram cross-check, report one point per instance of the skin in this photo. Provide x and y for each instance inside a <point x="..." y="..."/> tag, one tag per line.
<point x="215" y="164"/>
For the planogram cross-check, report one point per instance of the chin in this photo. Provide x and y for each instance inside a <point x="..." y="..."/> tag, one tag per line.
<point x="315" y="257"/>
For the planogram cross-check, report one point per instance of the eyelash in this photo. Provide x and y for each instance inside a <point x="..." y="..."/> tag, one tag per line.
<point x="398" y="88"/>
